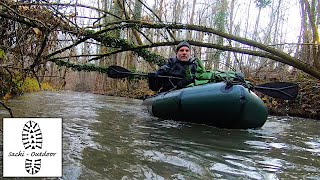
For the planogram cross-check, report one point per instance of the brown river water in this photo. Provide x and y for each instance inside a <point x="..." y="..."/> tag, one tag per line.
<point x="114" y="138"/>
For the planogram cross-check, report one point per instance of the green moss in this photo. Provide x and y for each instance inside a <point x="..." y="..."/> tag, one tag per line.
<point x="47" y="87"/>
<point x="90" y="31"/>
<point x="2" y="54"/>
<point x="81" y="67"/>
<point x="30" y="85"/>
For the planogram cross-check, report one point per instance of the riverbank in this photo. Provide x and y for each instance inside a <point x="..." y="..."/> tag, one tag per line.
<point x="306" y="105"/>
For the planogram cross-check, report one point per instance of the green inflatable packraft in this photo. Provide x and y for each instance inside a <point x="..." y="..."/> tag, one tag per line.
<point x="214" y="99"/>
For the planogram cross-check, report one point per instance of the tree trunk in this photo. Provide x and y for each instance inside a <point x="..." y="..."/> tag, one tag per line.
<point x="220" y="22"/>
<point x="231" y="24"/>
<point x="189" y="33"/>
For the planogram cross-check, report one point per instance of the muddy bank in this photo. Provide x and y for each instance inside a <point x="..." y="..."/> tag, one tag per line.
<point x="306" y="105"/>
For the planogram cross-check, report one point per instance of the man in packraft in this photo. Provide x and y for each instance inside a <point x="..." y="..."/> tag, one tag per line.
<point x="182" y="67"/>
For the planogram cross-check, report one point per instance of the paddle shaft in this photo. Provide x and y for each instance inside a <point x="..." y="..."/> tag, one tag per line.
<point x="159" y="76"/>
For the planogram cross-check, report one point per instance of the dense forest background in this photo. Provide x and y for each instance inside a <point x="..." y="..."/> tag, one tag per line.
<point x="68" y="44"/>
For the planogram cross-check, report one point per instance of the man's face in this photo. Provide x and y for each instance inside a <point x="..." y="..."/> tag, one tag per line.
<point x="183" y="54"/>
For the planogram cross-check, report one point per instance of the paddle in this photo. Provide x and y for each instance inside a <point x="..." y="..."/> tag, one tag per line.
<point x="279" y="90"/>
<point x="118" y="72"/>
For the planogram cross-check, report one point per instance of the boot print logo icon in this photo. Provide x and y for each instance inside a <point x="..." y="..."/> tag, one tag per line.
<point x="32" y="139"/>
<point x="32" y="147"/>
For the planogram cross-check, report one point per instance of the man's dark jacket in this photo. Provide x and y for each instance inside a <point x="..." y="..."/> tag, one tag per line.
<point x="175" y="68"/>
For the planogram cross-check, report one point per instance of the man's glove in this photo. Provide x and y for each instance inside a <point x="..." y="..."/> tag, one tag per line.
<point x="184" y="82"/>
<point x="154" y="83"/>
<point x="152" y="75"/>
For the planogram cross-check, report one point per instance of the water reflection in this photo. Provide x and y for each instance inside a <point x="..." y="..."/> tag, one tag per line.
<point x="113" y="138"/>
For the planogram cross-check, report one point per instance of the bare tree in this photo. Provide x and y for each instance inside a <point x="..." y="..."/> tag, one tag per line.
<point x="310" y="51"/>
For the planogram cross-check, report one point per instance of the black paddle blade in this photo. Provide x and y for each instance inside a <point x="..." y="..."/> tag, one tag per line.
<point x="280" y="90"/>
<point x="118" y="72"/>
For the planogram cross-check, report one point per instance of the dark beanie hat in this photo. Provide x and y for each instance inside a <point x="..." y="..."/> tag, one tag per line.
<point x="181" y="44"/>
